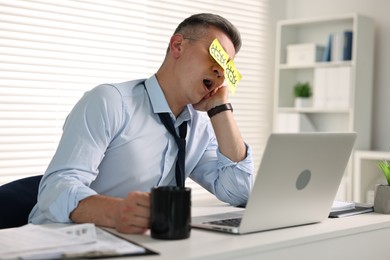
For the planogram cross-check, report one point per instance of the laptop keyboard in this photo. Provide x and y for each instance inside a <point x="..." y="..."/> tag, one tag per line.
<point x="231" y="222"/>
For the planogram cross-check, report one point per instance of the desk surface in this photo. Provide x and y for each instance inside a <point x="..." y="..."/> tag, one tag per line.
<point x="357" y="237"/>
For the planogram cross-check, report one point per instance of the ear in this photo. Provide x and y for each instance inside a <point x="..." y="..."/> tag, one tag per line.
<point x="175" y="45"/>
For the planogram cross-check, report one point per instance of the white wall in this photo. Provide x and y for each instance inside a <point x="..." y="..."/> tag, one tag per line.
<point x="277" y="10"/>
<point x="379" y="11"/>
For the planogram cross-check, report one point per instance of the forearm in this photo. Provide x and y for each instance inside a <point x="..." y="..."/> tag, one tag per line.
<point x="96" y="209"/>
<point x="228" y="135"/>
<point x="127" y="215"/>
<point x="229" y="138"/>
<point x="230" y="181"/>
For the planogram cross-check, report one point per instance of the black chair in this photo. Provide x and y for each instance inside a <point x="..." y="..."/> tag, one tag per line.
<point x="17" y="199"/>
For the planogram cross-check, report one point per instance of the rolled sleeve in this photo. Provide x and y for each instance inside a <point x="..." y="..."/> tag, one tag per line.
<point x="58" y="196"/>
<point x="235" y="179"/>
<point x="229" y="181"/>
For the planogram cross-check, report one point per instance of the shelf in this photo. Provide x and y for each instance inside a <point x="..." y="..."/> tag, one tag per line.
<point x="318" y="65"/>
<point x="314" y="110"/>
<point x="318" y="21"/>
<point x="342" y="89"/>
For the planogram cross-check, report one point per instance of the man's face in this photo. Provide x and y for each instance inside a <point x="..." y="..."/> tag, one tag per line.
<point x="200" y="73"/>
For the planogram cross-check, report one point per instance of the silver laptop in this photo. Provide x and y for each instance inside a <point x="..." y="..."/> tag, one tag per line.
<point x="296" y="184"/>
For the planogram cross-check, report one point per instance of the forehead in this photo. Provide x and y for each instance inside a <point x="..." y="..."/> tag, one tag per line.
<point x="223" y="39"/>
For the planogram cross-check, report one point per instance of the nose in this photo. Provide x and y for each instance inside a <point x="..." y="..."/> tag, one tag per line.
<point x="218" y="71"/>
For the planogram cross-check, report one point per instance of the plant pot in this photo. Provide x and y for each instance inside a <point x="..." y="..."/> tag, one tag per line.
<point x="301" y="102"/>
<point x="382" y="199"/>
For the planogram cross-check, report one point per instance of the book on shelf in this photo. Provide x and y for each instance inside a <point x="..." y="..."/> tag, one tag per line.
<point x="328" y="49"/>
<point x="339" y="46"/>
<point x="347" y="47"/>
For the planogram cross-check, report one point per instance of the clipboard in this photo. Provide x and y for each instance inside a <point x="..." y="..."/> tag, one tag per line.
<point x="77" y="241"/>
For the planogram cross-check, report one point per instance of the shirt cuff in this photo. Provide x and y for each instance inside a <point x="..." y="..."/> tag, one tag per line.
<point x="245" y="165"/>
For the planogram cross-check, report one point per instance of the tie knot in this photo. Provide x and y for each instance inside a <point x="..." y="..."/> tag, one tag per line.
<point x="168" y="123"/>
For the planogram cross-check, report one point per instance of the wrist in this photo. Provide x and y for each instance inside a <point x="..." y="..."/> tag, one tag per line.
<point x="220" y="108"/>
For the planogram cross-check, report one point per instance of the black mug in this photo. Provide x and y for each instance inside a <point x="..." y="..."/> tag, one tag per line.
<point x="170" y="212"/>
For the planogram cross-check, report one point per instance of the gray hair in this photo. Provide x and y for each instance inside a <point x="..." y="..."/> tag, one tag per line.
<point x="194" y="25"/>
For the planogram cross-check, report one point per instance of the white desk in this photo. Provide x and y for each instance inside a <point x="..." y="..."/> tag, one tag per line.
<point x="363" y="236"/>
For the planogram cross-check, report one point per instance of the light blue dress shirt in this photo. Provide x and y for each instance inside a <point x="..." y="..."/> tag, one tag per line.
<point x="113" y="143"/>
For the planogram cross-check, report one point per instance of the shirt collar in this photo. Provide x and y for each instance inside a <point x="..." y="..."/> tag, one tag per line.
<point x="160" y="104"/>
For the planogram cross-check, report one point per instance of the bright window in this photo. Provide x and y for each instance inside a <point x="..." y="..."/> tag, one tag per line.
<point x="51" y="52"/>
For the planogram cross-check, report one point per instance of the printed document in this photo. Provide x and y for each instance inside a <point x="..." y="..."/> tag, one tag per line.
<point x="75" y="241"/>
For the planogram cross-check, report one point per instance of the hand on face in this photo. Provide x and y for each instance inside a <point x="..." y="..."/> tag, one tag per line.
<point x="133" y="214"/>
<point x="217" y="96"/>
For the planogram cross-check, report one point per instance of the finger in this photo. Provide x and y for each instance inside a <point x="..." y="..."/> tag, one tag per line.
<point x="131" y="211"/>
<point x="218" y="88"/>
<point x="143" y="199"/>
<point x="131" y="229"/>
<point x="137" y="230"/>
<point x="141" y="211"/>
<point x="141" y="222"/>
<point x="133" y="222"/>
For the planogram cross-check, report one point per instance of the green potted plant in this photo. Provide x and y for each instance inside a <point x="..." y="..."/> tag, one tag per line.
<point x="302" y="94"/>
<point x="382" y="191"/>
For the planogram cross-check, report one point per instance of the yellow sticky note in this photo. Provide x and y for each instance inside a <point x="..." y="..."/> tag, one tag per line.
<point x="232" y="76"/>
<point x="218" y="53"/>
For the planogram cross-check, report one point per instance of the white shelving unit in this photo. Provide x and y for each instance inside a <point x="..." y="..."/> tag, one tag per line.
<point x="367" y="174"/>
<point x="356" y="114"/>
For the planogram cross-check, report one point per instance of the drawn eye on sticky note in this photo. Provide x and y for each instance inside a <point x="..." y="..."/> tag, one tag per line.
<point x="232" y="76"/>
<point x="218" y="53"/>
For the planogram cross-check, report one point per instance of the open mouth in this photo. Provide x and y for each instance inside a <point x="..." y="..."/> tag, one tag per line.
<point x="208" y="84"/>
